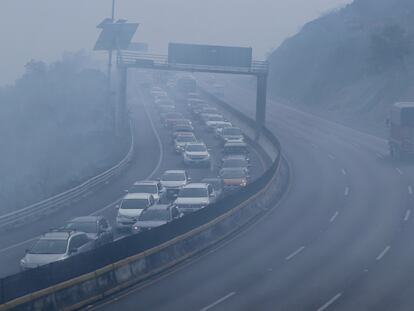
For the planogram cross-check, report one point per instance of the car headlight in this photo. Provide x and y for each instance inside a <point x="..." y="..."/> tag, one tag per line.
<point x="23" y="262"/>
<point x="243" y="183"/>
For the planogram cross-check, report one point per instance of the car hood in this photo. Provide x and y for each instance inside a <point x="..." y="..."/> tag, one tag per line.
<point x="35" y="260"/>
<point x="129" y="212"/>
<point x="149" y="223"/>
<point x="195" y="201"/>
<point x="197" y="154"/>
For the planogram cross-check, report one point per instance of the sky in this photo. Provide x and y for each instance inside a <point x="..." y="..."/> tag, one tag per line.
<point x="44" y="29"/>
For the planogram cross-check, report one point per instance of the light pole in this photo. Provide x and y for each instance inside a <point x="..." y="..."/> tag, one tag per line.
<point x="109" y="74"/>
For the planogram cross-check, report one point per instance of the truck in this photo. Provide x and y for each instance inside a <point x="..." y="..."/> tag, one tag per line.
<point x="401" y="130"/>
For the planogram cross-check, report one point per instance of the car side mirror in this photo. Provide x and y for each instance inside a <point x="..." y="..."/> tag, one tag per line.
<point x="73" y="250"/>
<point x="117" y="206"/>
<point x="189" y="179"/>
<point x="126" y="190"/>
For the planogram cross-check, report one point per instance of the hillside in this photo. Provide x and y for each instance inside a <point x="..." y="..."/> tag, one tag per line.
<point x="351" y="64"/>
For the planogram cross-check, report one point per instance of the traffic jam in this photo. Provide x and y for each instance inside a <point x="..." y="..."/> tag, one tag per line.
<point x="187" y="121"/>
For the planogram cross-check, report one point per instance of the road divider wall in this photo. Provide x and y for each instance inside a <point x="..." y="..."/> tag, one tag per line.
<point x="89" y="277"/>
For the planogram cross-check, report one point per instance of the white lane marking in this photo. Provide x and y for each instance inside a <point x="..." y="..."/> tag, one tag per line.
<point x="16" y="245"/>
<point x="296" y="252"/>
<point x="346" y="192"/>
<point x="330" y="302"/>
<point x="383" y="253"/>
<point x="332" y="157"/>
<point x="334" y="216"/>
<point x="407" y="215"/>
<point x="218" y="301"/>
<point x="343" y="172"/>
<point x="410" y="190"/>
<point x="399" y="171"/>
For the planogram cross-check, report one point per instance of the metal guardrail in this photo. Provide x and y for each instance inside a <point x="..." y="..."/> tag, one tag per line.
<point x="136" y="59"/>
<point x="63" y="199"/>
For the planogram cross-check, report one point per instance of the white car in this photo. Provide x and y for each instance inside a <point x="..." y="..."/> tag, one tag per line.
<point x="196" y="154"/>
<point x="55" y="246"/>
<point x="131" y="207"/>
<point x="214" y="125"/>
<point x="181" y="140"/>
<point x="174" y="180"/>
<point x="194" y="197"/>
<point x="149" y="187"/>
<point x="231" y="134"/>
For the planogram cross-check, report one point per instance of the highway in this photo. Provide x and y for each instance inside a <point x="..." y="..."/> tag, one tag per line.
<point x="339" y="240"/>
<point x="154" y="154"/>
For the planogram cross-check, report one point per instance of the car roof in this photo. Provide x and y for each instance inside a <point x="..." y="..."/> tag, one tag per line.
<point x="146" y="182"/>
<point x="132" y="196"/>
<point x="198" y="185"/>
<point x="175" y="171"/>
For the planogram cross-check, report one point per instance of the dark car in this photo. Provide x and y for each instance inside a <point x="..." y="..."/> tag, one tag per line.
<point x="97" y="228"/>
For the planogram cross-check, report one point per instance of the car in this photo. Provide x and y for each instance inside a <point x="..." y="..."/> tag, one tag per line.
<point x="156" y="216"/>
<point x="235" y="162"/>
<point x="174" y="180"/>
<point x="163" y="109"/>
<point x="233" y="178"/>
<point x="193" y="102"/>
<point x="235" y="148"/>
<point x="231" y="134"/>
<point x="97" y="228"/>
<point x="130" y="208"/>
<point x="194" y="197"/>
<point x="212" y="126"/>
<point x="198" y="108"/>
<point x="160" y="96"/>
<point x="193" y="95"/>
<point x="152" y="187"/>
<point x="168" y="117"/>
<point x="179" y="127"/>
<point x="209" y="110"/>
<point x="176" y="134"/>
<point x="56" y="245"/>
<point x="164" y="102"/>
<point x="181" y="140"/>
<point x="196" y="154"/>
<point x="216" y="183"/>
<point x="206" y="117"/>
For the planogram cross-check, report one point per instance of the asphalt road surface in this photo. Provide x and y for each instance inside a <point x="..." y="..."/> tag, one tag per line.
<point x="341" y="239"/>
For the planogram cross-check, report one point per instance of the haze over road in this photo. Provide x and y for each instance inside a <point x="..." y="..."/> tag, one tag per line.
<point x="339" y="239"/>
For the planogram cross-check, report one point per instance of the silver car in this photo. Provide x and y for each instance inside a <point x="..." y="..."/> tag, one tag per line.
<point x="55" y="246"/>
<point x="156" y="216"/>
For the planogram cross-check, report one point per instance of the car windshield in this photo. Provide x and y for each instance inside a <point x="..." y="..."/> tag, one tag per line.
<point x="84" y="226"/>
<point x="235" y="163"/>
<point x="185" y="139"/>
<point x="232" y="131"/>
<point x="193" y="193"/>
<point x="174" y="116"/>
<point x="161" y="214"/>
<point x="215" y="118"/>
<point x="228" y="174"/>
<point x="196" y="148"/>
<point x="134" y="204"/>
<point x="173" y="177"/>
<point x="143" y="189"/>
<point x="49" y="246"/>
